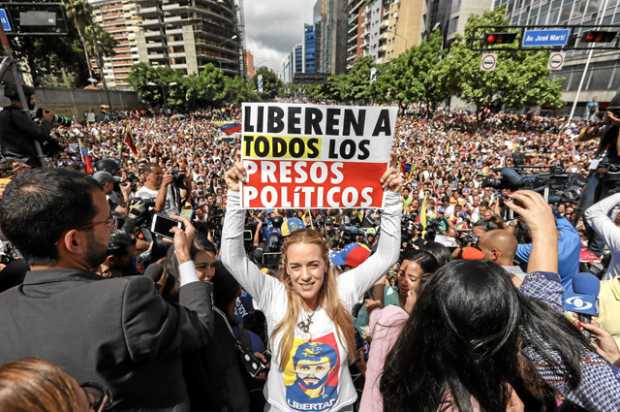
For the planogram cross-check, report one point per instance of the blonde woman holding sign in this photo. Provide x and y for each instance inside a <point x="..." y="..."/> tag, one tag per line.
<point x="309" y="312"/>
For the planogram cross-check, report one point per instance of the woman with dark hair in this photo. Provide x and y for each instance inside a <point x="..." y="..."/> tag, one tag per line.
<point x="385" y="324"/>
<point x="474" y="341"/>
<point x="35" y="385"/>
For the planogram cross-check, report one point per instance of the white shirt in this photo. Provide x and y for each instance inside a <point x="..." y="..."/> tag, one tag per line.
<point x="597" y="216"/>
<point x="321" y="353"/>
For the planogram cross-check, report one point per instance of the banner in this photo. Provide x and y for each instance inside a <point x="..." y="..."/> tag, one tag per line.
<point x="301" y="156"/>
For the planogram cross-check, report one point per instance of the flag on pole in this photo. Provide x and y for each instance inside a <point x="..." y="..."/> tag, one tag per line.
<point x="86" y="159"/>
<point x="423" y="216"/>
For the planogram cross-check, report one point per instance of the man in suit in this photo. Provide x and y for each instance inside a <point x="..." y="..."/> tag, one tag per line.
<point x="116" y="332"/>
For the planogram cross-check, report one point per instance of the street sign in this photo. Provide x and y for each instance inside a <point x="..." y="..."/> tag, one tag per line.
<point x="546" y="37"/>
<point x="488" y="62"/>
<point x="556" y="60"/>
<point x="4" y="19"/>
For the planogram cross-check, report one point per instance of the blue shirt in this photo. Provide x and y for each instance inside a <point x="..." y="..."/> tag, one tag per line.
<point x="569" y="246"/>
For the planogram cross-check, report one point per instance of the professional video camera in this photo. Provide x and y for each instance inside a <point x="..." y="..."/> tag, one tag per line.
<point x="563" y="187"/>
<point x="58" y="119"/>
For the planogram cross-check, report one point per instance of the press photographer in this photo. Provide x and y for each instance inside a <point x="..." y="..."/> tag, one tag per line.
<point x="19" y="131"/>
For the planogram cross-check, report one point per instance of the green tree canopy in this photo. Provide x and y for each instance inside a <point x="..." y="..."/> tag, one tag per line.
<point x="272" y="85"/>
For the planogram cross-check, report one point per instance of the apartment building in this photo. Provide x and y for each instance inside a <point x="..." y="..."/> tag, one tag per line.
<point x="188" y="34"/>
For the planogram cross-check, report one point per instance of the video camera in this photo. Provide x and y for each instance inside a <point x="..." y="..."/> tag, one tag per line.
<point x="58" y="119"/>
<point x="563" y="187"/>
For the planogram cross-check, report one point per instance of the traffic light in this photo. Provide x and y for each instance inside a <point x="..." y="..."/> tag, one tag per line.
<point x="492" y="39"/>
<point x="598" y="36"/>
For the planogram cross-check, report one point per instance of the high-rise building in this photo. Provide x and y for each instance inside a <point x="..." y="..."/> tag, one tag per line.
<point x="250" y="70"/>
<point x="382" y="29"/>
<point x="333" y="38"/>
<point x="450" y="16"/>
<point x="309" y="49"/>
<point x="603" y="75"/>
<point x="298" y="59"/>
<point x="319" y="20"/>
<point x="118" y="18"/>
<point x="188" y="34"/>
<point x="286" y="75"/>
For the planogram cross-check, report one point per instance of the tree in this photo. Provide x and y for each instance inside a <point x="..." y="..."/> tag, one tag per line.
<point x="272" y="85"/>
<point x="80" y="14"/>
<point x="520" y="79"/>
<point x="207" y="88"/>
<point x="240" y="90"/>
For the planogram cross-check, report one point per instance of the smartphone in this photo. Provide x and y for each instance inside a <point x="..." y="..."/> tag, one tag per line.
<point x="162" y="225"/>
<point x="247" y="235"/>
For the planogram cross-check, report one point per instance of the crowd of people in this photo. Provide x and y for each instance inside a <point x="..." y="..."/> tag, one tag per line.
<point x="449" y="298"/>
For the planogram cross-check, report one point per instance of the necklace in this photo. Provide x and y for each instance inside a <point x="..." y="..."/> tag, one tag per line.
<point x="304" y="325"/>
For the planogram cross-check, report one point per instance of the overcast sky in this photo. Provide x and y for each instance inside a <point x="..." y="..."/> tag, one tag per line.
<point x="273" y="27"/>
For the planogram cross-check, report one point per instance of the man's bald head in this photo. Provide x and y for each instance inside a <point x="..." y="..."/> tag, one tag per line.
<point x="500" y="246"/>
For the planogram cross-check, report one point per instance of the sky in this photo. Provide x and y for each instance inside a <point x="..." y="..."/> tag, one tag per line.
<point x="273" y="27"/>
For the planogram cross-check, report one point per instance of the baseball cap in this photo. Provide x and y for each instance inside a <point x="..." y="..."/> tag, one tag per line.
<point x="353" y="255"/>
<point x="472" y="253"/>
<point x="292" y="224"/>
<point x="102" y="177"/>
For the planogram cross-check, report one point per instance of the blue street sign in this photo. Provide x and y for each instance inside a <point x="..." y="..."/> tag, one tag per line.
<point x="4" y="19"/>
<point x="546" y="37"/>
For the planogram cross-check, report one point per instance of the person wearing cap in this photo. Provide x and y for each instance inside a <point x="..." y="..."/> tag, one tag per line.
<point x="18" y="131"/>
<point x="106" y="180"/>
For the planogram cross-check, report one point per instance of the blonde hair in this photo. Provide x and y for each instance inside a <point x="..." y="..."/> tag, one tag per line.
<point x="328" y="299"/>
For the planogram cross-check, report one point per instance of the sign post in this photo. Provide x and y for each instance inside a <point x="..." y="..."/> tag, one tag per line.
<point x="488" y="62"/>
<point x="556" y="60"/>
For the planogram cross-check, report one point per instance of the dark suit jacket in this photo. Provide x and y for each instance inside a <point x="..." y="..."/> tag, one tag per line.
<point x="116" y="332"/>
<point x="18" y="132"/>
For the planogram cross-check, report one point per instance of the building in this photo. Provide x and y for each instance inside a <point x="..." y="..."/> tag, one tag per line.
<point x="119" y="18"/>
<point x="298" y="59"/>
<point x="450" y="16"/>
<point x="250" y="70"/>
<point x="382" y="29"/>
<point x="309" y="49"/>
<point x="189" y="34"/>
<point x="333" y="37"/>
<point x="603" y="75"/>
<point x="286" y="74"/>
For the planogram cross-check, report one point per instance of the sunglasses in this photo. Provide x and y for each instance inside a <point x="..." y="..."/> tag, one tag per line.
<point x="98" y="398"/>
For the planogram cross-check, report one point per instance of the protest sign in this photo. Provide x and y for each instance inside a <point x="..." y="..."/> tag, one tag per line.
<point x="310" y="156"/>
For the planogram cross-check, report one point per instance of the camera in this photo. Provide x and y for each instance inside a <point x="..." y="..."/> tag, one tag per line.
<point x="563" y="187"/>
<point x="58" y="119"/>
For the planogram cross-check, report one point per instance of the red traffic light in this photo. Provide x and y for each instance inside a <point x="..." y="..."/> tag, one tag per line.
<point x="598" y="36"/>
<point x="491" y="39"/>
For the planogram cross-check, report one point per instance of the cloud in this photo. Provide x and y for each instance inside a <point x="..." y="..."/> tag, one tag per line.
<point x="274" y="27"/>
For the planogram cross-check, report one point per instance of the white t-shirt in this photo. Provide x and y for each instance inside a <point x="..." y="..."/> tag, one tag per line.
<point x="316" y="377"/>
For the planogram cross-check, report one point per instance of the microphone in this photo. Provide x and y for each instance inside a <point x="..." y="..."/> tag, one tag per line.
<point x="583" y="300"/>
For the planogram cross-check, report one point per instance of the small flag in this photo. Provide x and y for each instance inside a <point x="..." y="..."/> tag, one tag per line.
<point x="86" y="159"/>
<point x="231" y="128"/>
<point x="129" y="141"/>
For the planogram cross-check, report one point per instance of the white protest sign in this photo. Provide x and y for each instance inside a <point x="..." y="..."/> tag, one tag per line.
<point x="313" y="156"/>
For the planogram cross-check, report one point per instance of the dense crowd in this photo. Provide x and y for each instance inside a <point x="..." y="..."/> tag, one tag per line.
<point x="449" y="298"/>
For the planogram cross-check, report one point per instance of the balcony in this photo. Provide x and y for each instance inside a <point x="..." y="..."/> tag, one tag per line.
<point x="152" y="33"/>
<point x="155" y="45"/>
<point x="173" y="6"/>
<point x="148" y="10"/>
<point x="150" y="22"/>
